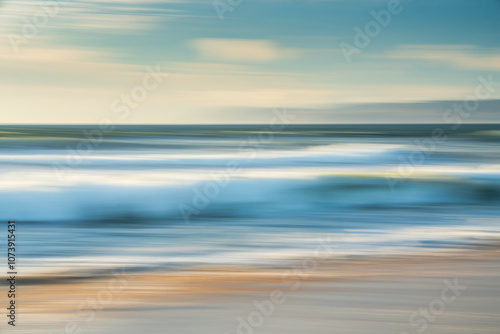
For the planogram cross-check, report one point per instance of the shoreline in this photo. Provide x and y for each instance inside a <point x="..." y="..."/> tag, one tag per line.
<point x="378" y="295"/>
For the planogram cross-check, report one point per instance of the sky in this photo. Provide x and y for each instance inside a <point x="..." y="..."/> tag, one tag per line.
<point x="237" y="61"/>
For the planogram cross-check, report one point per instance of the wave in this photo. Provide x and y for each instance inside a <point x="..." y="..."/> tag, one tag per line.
<point x="243" y="196"/>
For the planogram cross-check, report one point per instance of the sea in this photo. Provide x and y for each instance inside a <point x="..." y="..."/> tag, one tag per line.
<point x="91" y="197"/>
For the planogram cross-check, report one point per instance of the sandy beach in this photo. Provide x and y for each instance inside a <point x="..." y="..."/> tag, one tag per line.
<point x="348" y="295"/>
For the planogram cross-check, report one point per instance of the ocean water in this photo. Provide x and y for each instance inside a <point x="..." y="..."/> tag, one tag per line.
<point x="162" y="196"/>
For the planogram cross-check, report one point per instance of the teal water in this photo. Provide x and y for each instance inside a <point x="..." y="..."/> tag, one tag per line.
<point x="159" y="196"/>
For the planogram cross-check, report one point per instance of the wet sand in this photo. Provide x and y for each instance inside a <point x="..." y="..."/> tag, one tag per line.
<point x="348" y="295"/>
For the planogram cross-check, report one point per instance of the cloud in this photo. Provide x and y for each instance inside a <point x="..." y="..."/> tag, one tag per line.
<point x="459" y="56"/>
<point x="242" y="50"/>
<point x="46" y="55"/>
<point x="110" y="16"/>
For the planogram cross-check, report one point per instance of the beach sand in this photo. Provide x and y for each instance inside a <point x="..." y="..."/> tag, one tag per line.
<point x="449" y="292"/>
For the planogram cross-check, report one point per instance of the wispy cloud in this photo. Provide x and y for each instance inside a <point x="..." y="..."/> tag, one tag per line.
<point x="44" y="55"/>
<point x="109" y="16"/>
<point x="244" y="50"/>
<point x="459" y="56"/>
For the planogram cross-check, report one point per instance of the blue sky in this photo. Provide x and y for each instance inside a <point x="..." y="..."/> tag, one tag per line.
<point x="262" y="55"/>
